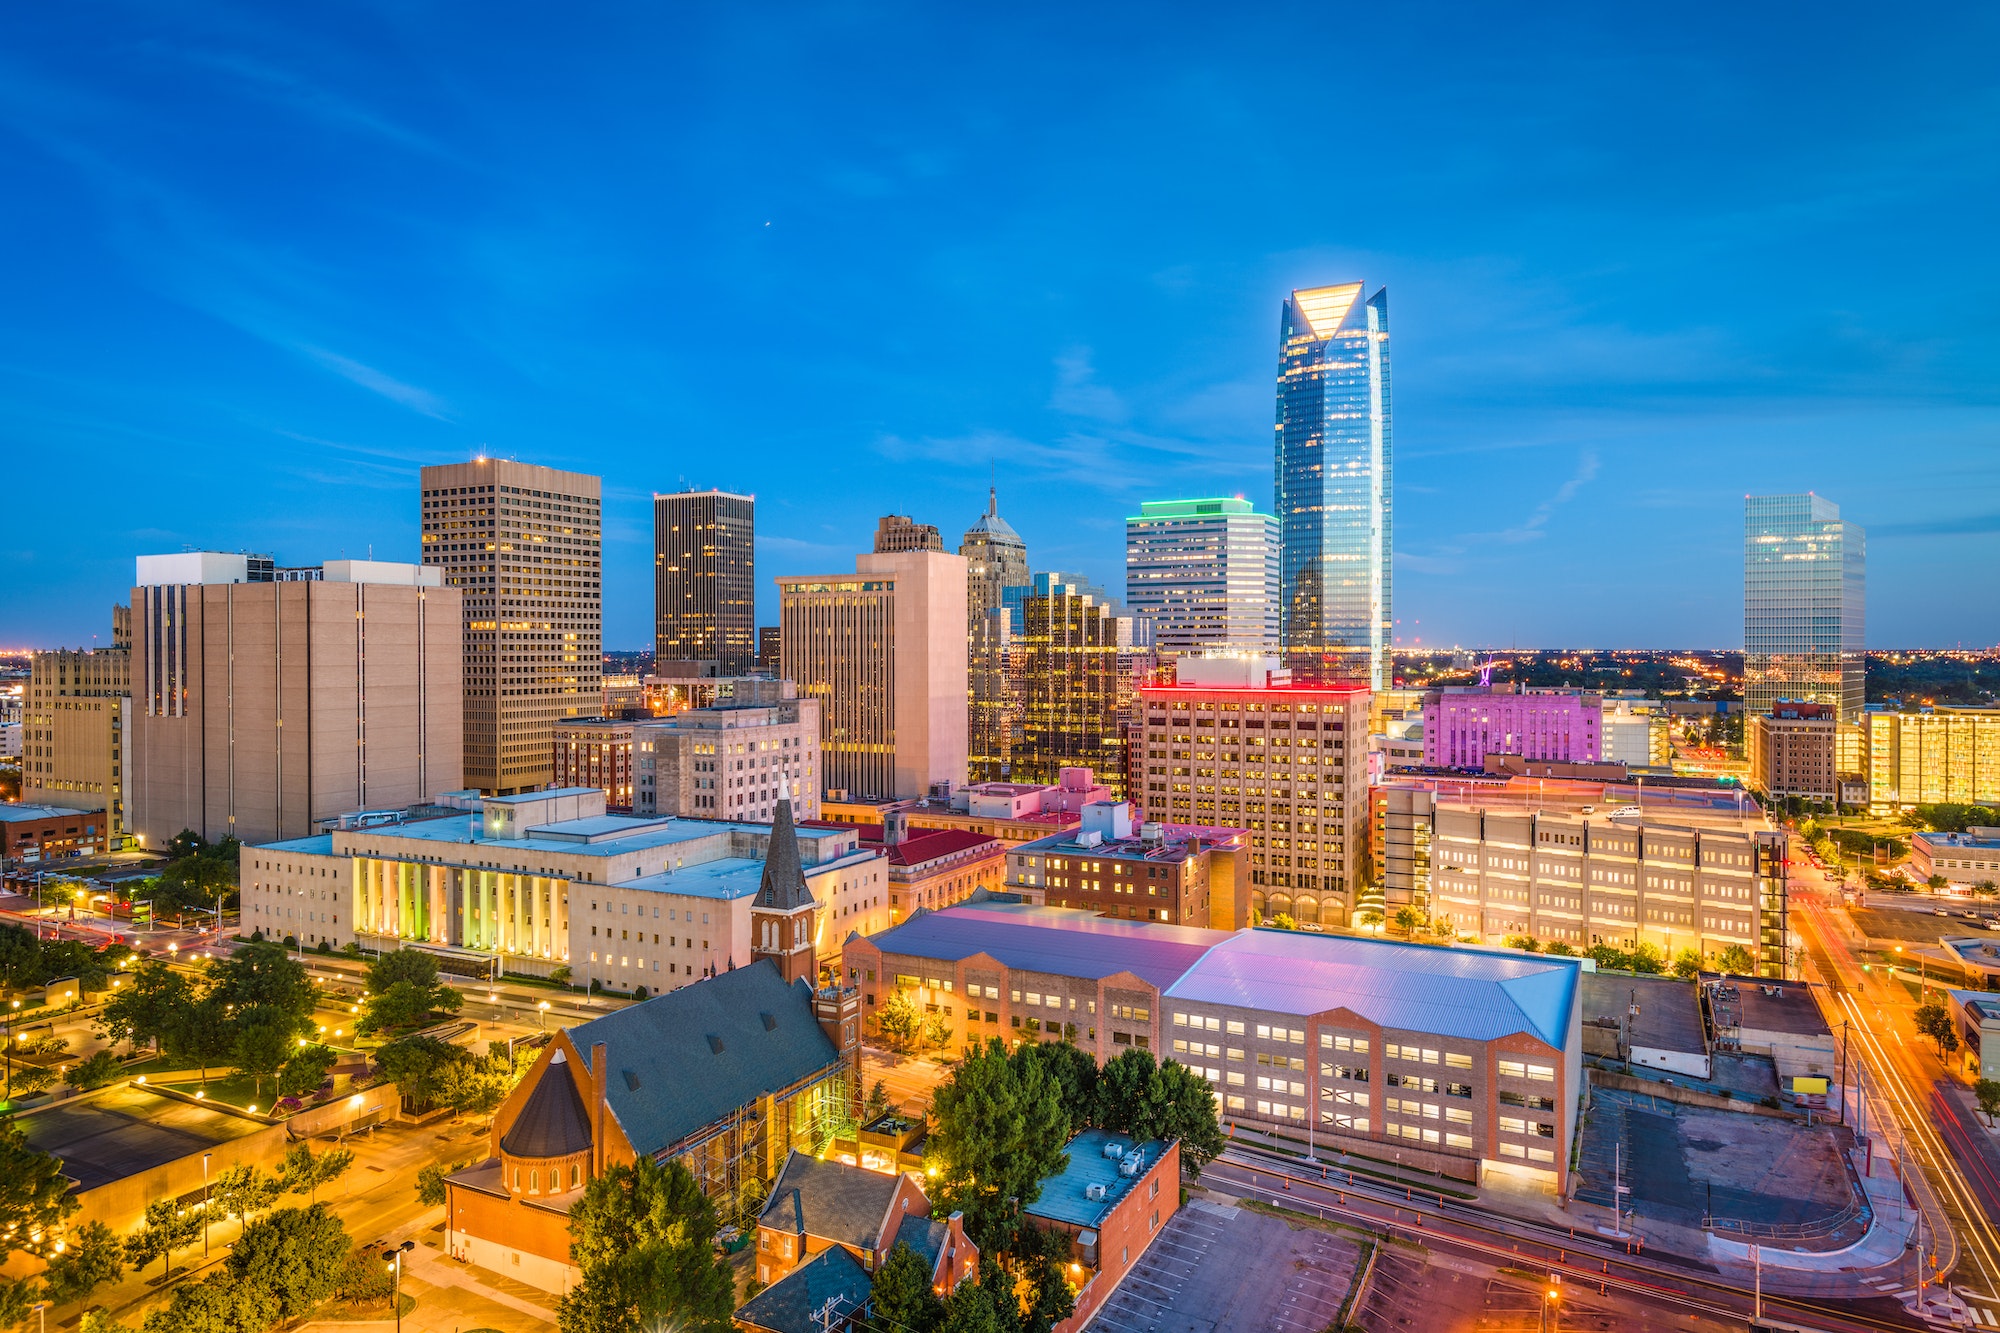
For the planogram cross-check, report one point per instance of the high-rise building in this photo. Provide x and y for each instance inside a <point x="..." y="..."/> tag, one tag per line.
<point x="1205" y="573"/>
<point x="996" y="559"/>
<point x="1464" y="724"/>
<point x="261" y="708"/>
<point x="768" y="654"/>
<point x="76" y="717"/>
<point x="1234" y="743"/>
<point x="1804" y="605"/>
<point x="883" y="649"/>
<point x="1334" y="484"/>
<point x="733" y="758"/>
<point x="1792" y="750"/>
<point x="895" y="532"/>
<point x="1942" y="755"/>
<point x="525" y="546"/>
<point x="1069" y="664"/>
<point x="705" y="580"/>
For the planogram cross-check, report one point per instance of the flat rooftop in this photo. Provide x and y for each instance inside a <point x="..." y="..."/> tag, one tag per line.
<point x="16" y="813"/>
<point x="1669" y="1017"/>
<point x="1059" y="941"/>
<point x="1764" y="1005"/>
<point x="1065" y="1196"/>
<point x="1178" y="842"/>
<point x="648" y="833"/>
<point x="126" y="1131"/>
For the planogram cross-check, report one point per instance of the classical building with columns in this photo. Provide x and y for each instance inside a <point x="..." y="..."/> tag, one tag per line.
<point x="547" y="878"/>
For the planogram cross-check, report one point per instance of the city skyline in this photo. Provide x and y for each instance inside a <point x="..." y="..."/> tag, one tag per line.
<point x="273" y="285"/>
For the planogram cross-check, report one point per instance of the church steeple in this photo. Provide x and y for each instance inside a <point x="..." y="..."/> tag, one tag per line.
<point x="784" y="913"/>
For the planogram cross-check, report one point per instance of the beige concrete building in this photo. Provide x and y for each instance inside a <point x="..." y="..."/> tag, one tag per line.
<point x="1938" y="756"/>
<point x="1233" y="744"/>
<point x="595" y="752"/>
<point x="76" y="715"/>
<point x="524" y="545"/>
<point x="884" y="651"/>
<point x="547" y="878"/>
<point x="1582" y="878"/>
<point x="1793" y="751"/>
<point x="262" y="708"/>
<point x="732" y="759"/>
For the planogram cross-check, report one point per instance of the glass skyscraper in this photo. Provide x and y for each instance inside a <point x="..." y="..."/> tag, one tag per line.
<point x="1804" y="599"/>
<point x="1334" y="484"/>
<point x="1205" y="573"/>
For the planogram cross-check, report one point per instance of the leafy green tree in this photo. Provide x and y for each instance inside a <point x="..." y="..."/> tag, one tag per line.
<point x="971" y="1307"/>
<point x="1647" y="958"/>
<point x="474" y="1085"/>
<point x="167" y="1227"/>
<point x="205" y="878"/>
<point x="1609" y="957"/>
<point x="878" y="1097"/>
<point x="303" y="1171"/>
<point x="242" y="1189"/>
<point x="27" y="1080"/>
<point x="416" y="1065"/>
<point x="219" y="1303"/>
<point x="305" y="1070"/>
<point x="996" y="1132"/>
<point x="902" y="1293"/>
<point x="1039" y="1260"/>
<point x="98" y="1321"/>
<point x="263" y="1043"/>
<point x="95" y="1070"/>
<point x="1936" y="883"/>
<point x="404" y="990"/>
<point x="16" y="1300"/>
<point x="1407" y="920"/>
<point x="91" y="1256"/>
<point x="296" y="1252"/>
<point x="1934" y="1021"/>
<point x="1686" y="964"/>
<point x="898" y="1019"/>
<point x="34" y="1195"/>
<point x="204" y="1034"/>
<point x="1736" y="961"/>
<point x="643" y="1237"/>
<point x="1985" y="888"/>
<point x="365" y="1279"/>
<point x="560" y="974"/>
<point x="1948" y="1043"/>
<point x="1167" y="1100"/>
<point x="1526" y="942"/>
<point x="148" y="1007"/>
<point x="1285" y="921"/>
<point x="1559" y="949"/>
<point x="937" y="1030"/>
<point x="263" y="977"/>
<point x="430" y="1183"/>
<point x="1987" y="1093"/>
<point x="1073" y="1070"/>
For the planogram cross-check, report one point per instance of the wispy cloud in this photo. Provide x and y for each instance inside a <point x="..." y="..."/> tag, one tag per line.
<point x="373" y="380"/>
<point x="1078" y="394"/>
<point x="1535" y="527"/>
<point x="1963" y="526"/>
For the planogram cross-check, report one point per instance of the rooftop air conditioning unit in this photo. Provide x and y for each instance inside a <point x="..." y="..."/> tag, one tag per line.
<point x="1094" y="1190"/>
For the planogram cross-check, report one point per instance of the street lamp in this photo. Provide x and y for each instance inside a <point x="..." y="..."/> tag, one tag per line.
<point x="204" y="1204"/>
<point x="1552" y="1302"/>
<point x="544" y="1007"/>
<point x="393" y="1257"/>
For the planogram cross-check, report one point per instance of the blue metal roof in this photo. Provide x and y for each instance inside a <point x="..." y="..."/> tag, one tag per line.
<point x="1061" y="941"/>
<point x="1467" y="993"/>
<point x="1063" y="1197"/>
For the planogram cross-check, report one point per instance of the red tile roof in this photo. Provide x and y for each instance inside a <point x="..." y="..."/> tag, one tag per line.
<point x="919" y="845"/>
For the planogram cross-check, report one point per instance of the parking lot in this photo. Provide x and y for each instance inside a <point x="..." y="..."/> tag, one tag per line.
<point x="1222" y="1269"/>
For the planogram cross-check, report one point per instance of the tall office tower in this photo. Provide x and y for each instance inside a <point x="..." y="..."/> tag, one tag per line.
<point x="883" y="650"/>
<point x="768" y="654"/>
<point x="525" y="546"/>
<point x="1945" y="754"/>
<point x="995" y="559"/>
<point x="705" y="580"/>
<point x="1334" y="485"/>
<point x="1205" y="573"/>
<point x="1072" y="710"/>
<point x="76" y="717"/>
<point x="895" y="532"/>
<point x="261" y="707"/>
<point x="1804" y="604"/>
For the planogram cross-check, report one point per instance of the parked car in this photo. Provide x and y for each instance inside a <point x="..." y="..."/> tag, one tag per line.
<point x="1940" y="911"/>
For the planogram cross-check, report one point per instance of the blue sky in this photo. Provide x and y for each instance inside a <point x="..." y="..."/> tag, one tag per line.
<point x="263" y="262"/>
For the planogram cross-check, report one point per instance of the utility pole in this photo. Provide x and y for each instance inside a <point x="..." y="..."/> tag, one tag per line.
<point x="1757" y="1299"/>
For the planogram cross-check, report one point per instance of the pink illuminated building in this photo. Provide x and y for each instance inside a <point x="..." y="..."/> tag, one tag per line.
<point x="1463" y="726"/>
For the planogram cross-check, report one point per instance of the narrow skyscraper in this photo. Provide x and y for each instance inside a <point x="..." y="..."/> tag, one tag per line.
<point x="705" y="580"/>
<point x="1205" y="573"/>
<point x="1804" y="605"/>
<point x="525" y="544"/>
<point x="996" y="559"/>
<point x="1334" y="484"/>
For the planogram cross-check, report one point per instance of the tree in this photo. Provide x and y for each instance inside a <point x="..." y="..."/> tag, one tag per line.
<point x="304" y="1171"/>
<point x="1985" y="888"/>
<point x="997" y="1131"/>
<point x="430" y="1183"/>
<point x="1736" y="961"/>
<point x="306" y="1070"/>
<point x="167" y="1227"/>
<point x="297" y="1253"/>
<point x="404" y="991"/>
<point x="1934" y="1021"/>
<point x="263" y="1042"/>
<point x="91" y="1256"/>
<point x="1686" y="963"/>
<point x="416" y="1065"/>
<point x="937" y="1030"/>
<point x="878" y="1098"/>
<point x="898" y="1019"/>
<point x="1038" y="1261"/>
<point x="265" y="977"/>
<point x="1523" y="942"/>
<point x="902" y="1293"/>
<point x="241" y="1190"/>
<point x="1160" y="1101"/>
<point x="1987" y="1093"/>
<point x="365" y="1279"/>
<point x="1559" y="949"/>
<point x="1407" y="920"/>
<point x="1647" y="958"/>
<point x="1073" y="1070"/>
<point x="560" y="974"/>
<point x="1936" y="883"/>
<point x="34" y="1195"/>
<point x="475" y="1085"/>
<point x="219" y="1303"/>
<point x="1285" y="921"/>
<point x="971" y="1307"/>
<point x="96" y="1070"/>
<point x="148" y="1007"/>
<point x="644" y="1238"/>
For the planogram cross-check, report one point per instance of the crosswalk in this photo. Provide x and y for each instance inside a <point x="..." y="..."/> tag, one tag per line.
<point x="1983" y="1317"/>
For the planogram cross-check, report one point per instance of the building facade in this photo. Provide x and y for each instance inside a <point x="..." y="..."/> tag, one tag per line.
<point x="705" y="579"/>
<point x="1488" y="871"/>
<point x="1932" y="757"/>
<point x="929" y="868"/>
<point x="1804" y="605"/>
<point x="1462" y="725"/>
<point x="882" y="651"/>
<point x="1335" y="484"/>
<point x="38" y="834"/>
<point x="1206" y="574"/>
<point x="524" y="545"/>
<point x="896" y="532"/>
<point x="1792" y="751"/>
<point x="1966" y="860"/>
<point x="1070" y="686"/>
<point x="1152" y="872"/>
<point x="596" y="752"/>
<point x="996" y="560"/>
<point x="260" y="709"/>
<point x="1234" y="744"/>
<point x="75" y="718"/>
<point x="544" y="879"/>
<point x="732" y="759"/>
